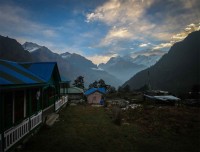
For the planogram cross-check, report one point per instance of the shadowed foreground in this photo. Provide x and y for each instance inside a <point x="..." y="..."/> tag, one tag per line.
<point x="86" y="128"/>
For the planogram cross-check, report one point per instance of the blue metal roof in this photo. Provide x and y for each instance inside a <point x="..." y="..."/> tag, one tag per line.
<point x="92" y="90"/>
<point x="42" y="69"/>
<point x="4" y="81"/>
<point x="12" y="73"/>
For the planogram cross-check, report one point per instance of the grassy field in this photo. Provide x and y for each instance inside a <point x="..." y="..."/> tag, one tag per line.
<point x="86" y="128"/>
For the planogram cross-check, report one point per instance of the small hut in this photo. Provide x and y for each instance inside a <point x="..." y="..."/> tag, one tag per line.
<point x="95" y="95"/>
<point x="75" y="94"/>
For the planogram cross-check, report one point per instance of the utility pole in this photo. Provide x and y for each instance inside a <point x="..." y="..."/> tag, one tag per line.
<point x="149" y="84"/>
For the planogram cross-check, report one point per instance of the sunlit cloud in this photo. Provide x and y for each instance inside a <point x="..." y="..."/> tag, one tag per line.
<point x="125" y="18"/>
<point x="144" y="44"/>
<point x="148" y="52"/>
<point x="115" y="34"/>
<point x="179" y="36"/>
<point x="97" y="59"/>
<point x="162" y="45"/>
<point x="129" y="22"/>
<point x="188" y="29"/>
<point x="119" y="11"/>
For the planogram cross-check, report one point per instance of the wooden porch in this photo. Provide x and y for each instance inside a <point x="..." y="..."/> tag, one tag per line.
<point x="14" y="128"/>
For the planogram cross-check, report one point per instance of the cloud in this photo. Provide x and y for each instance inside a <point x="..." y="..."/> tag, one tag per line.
<point x="16" y="21"/>
<point x="144" y="44"/>
<point x="190" y="4"/>
<point x="118" y="11"/>
<point x="179" y="36"/>
<point x="107" y="13"/>
<point x="49" y="33"/>
<point x="115" y="34"/>
<point x="187" y="30"/>
<point x="97" y="59"/>
<point x="162" y="45"/>
<point x="148" y="52"/>
<point x="124" y="18"/>
<point x="175" y="38"/>
<point x="132" y="20"/>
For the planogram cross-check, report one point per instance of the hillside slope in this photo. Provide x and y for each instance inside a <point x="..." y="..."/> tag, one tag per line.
<point x="177" y="71"/>
<point x="10" y="49"/>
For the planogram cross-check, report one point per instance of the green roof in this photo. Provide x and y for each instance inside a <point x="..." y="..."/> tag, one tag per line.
<point x="74" y="90"/>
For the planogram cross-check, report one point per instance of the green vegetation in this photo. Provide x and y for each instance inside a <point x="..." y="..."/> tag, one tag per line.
<point x="87" y="128"/>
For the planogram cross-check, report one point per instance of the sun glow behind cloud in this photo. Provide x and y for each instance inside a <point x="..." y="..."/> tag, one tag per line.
<point x="129" y="21"/>
<point x="97" y="59"/>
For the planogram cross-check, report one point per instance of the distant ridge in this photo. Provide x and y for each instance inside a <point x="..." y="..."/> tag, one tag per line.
<point x="177" y="71"/>
<point x="70" y="65"/>
<point x="12" y="50"/>
<point x="125" y="67"/>
<point x="121" y="67"/>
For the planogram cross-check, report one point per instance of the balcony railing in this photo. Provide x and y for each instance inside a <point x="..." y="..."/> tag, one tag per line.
<point x="1" y="148"/>
<point x="61" y="102"/>
<point x="14" y="134"/>
<point x="35" y="120"/>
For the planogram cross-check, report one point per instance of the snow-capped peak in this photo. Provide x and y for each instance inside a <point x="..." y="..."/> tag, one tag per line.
<point x="146" y="60"/>
<point x="29" y="46"/>
<point x="66" y="55"/>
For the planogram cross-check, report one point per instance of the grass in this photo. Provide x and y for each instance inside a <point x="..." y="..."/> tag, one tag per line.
<point x="86" y="128"/>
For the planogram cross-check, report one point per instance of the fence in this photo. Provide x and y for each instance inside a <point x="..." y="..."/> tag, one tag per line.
<point x="35" y="120"/>
<point x="61" y="102"/>
<point x="14" y="134"/>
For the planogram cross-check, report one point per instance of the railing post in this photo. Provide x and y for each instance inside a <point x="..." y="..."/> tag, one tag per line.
<point x="1" y="143"/>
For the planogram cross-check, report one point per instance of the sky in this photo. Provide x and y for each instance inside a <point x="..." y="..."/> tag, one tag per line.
<point x="100" y="29"/>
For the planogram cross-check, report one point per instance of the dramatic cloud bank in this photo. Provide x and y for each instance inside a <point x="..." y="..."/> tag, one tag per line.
<point x="100" y="29"/>
<point x="155" y="24"/>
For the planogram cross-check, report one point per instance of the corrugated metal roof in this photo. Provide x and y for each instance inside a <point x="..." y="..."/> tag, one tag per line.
<point x="92" y="90"/>
<point x="12" y="73"/>
<point x="42" y="69"/>
<point x="163" y="97"/>
<point x="74" y="90"/>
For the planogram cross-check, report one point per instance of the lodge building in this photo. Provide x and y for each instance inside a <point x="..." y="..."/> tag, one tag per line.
<point x="29" y="92"/>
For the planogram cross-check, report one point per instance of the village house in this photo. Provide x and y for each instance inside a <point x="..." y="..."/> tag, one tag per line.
<point x="49" y="72"/>
<point x="75" y="94"/>
<point x="28" y="93"/>
<point x="95" y="95"/>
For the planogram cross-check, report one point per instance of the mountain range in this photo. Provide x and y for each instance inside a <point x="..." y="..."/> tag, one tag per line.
<point x="178" y="71"/>
<point x="125" y="67"/>
<point x="70" y="65"/>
